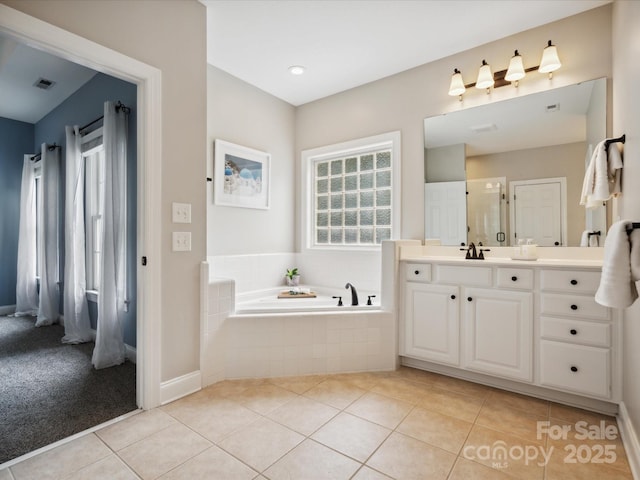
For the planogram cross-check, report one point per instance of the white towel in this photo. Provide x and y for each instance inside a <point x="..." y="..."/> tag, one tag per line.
<point x="617" y="289"/>
<point x="634" y="239"/>
<point x="602" y="177"/>
<point x="584" y="239"/>
<point x="614" y="169"/>
<point x="594" y="241"/>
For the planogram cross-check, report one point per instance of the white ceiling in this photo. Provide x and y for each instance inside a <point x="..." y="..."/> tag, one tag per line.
<point x="342" y="43"/>
<point x="22" y="66"/>
<point x="346" y="43"/>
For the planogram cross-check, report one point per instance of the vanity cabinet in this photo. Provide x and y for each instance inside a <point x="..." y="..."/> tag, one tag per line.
<point x="537" y="325"/>
<point x="498" y="327"/>
<point x="455" y="306"/>
<point x="432" y="322"/>
<point x="575" y="334"/>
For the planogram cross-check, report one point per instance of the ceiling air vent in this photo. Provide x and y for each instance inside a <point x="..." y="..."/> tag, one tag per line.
<point x="488" y="127"/>
<point x="552" y="108"/>
<point x="44" y="84"/>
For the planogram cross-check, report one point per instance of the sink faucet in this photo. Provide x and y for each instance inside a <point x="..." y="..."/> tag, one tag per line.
<point x="472" y="253"/>
<point x="354" y="294"/>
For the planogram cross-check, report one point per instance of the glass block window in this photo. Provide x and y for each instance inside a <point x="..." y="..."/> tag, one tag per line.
<point x="353" y="199"/>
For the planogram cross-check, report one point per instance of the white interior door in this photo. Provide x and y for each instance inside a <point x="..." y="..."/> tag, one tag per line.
<point x="538" y="211"/>
<point x="446" y="212"/>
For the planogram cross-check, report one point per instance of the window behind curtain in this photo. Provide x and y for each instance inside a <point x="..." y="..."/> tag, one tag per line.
<point x="93" y="156"/>
<point x="37" y="169"/>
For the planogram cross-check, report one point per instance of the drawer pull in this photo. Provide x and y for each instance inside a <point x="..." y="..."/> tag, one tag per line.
<point x="417" y="272"/>
<point x="514" y="279"/>
<point x="469" y="299"/>
<point x="574" y="282"/>
<point x="573" y="331"/>
<point x="574" y="307"/>
<point x="574" y="369"/>
<point x="453" y="297"/>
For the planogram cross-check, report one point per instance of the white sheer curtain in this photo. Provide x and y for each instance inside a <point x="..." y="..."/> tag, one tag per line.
<point x="26" y="285"/>
<point x="77" y="328"/>
<point x="48" y="208"/>
<point x="109" y="349"/>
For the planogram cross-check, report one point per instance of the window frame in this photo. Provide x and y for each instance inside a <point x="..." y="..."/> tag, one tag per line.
<point x="37" y="194"/>
<point x="93" y="201"/>
<point x="386" y="141"/>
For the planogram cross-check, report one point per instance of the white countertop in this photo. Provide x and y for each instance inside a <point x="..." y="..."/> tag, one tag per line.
<point x="558" y="257"/>
<point x="505" y="262"/>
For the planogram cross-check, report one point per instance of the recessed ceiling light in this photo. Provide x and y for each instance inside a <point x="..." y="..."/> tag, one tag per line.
<point x="296" y="70"/>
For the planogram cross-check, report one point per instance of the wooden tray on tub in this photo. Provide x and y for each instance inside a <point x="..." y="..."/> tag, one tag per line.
<point x="290" y="294"/>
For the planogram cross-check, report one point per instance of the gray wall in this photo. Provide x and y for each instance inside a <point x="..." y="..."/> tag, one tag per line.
<point x="242" y="114"/>
<point x="626" y="105"/>
<point x="445" y="164"/>
<point x="16" y="139"/>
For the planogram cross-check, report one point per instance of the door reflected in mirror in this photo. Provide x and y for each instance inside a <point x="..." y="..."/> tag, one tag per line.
<point x="522" y="161"/>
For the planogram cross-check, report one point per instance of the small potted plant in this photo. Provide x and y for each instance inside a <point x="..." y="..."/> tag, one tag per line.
<point x="293" y="277"/>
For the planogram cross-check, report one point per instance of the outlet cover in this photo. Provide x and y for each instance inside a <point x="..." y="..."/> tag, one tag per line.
<point x="181" y="212"/>
<point x="181" y="241"/>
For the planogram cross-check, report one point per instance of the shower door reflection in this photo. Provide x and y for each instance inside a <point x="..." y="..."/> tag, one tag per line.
<point x="486" y="212"/>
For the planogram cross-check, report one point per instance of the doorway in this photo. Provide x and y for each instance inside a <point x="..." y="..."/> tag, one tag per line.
<point x="539" y="211"/>
<point x="26" y="29"/>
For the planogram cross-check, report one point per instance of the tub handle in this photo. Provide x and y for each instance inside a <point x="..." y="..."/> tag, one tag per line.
<point x="339" y="300"/>
<point x="369" y="297"/>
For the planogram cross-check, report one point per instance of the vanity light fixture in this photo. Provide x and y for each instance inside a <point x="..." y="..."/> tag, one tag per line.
<point x="550" y="61"/>
<point x="456" y="88"/>
<point x="516" y="71"/>
<point x="485" y="77"/>
<point x="296" y="69"/>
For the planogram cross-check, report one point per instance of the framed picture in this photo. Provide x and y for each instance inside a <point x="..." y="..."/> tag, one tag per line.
<point x="241" y="176"/>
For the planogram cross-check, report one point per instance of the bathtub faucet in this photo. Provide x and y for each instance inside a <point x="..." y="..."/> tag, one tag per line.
<point x="354" y="294"/>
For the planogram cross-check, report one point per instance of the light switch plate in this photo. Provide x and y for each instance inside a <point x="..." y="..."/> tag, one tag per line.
<point x="181" y="212"/>
<point x="181" y="241"/>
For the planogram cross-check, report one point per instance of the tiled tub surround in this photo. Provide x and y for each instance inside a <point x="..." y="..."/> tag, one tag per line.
<point x="285" y="344"/>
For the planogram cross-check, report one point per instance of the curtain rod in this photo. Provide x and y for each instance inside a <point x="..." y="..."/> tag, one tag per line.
<point x="38" y="156"/>
<point x="119" y="106"/>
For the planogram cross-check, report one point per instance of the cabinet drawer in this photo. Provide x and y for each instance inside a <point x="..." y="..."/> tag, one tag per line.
<point x="418" y="272"/>
<point x="575" y="368"/>
<point x="520" y="278"/>
<point x="570" y="281"/>
<point x="472" y="276"/>
<point x="572" y="305"/>
<point x="575" y="331"/>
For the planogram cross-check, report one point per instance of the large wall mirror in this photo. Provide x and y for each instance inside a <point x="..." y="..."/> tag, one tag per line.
<point x="513" y="170"/>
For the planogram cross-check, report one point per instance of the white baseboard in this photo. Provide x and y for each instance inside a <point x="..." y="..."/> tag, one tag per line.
<point x="180" y="387"/>
<point x="630" y="440"/>
<point x="7" y="309"/>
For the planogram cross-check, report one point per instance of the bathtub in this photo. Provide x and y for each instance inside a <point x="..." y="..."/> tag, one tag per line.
<point x="253" y="334"/>
<point x="267" y="301"/>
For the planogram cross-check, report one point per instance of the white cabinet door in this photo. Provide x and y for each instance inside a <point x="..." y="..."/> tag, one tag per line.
<point x="432" y="323"/>
<point x="445" y="212"/>
<point x="498" y="332"/>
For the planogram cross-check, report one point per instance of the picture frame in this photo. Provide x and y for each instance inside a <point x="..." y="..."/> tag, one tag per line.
<point x="241" y="176"/>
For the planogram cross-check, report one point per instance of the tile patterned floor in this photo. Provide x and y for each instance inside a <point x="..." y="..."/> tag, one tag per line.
<point x="407" y="424"/>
